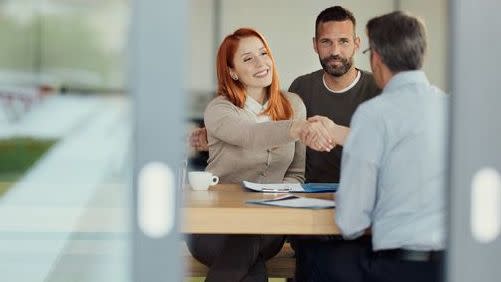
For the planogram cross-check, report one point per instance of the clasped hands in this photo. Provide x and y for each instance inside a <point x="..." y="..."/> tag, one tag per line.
<point x="319" y="133"/>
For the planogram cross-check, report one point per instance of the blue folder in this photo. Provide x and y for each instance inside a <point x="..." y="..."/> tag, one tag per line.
<point x="320" y="187"/>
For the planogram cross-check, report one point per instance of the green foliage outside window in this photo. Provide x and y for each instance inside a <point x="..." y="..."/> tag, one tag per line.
<point x="17" y="155"/>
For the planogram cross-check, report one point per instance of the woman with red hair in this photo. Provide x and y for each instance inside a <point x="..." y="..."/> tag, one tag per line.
<point x="252" y="131"/>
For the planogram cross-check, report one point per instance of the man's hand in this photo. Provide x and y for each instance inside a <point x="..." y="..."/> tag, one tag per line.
<point x="337" y="133"/>
<point x="312" y="134"/>
<point x="317" y="137"/>
<point x="320" y="133"/>
<point x="198" y="139"/>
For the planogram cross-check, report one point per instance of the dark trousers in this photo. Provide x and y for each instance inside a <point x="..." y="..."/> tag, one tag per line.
<point x="330" y="259"/>
<point x="233" y="258"/>
<point x="383" y="269"/>
<point x="337" y="260"/>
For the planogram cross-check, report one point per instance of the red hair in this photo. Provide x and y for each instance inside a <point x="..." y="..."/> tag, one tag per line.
<point x="279" y="108"/>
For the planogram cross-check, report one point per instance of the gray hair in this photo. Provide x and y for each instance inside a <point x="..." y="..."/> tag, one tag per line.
<point x="399" y="39"/>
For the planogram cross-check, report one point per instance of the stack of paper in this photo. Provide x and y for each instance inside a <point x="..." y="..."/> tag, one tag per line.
<point x="293" y="201"/>
<point x="291" y="187"/>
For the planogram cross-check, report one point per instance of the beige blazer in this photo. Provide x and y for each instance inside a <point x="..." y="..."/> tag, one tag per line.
<point x="242" y="149"/>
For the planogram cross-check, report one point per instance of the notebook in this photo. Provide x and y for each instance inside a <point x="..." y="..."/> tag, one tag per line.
<point x="293" y="201"/>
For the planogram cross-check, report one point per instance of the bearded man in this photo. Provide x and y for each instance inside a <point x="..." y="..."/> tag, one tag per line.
<point x="335" y="92"/>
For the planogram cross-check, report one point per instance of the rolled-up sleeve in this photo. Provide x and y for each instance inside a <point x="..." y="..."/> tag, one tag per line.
<point x="362" y="153"/>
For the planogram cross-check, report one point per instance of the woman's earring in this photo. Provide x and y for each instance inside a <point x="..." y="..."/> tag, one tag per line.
<point x="234" y="76"/>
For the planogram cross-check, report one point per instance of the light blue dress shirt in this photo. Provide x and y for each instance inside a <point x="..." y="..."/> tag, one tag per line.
<point x="393" y="167"/>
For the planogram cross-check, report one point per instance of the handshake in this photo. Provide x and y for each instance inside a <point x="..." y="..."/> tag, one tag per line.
<point x="318" y="132"/>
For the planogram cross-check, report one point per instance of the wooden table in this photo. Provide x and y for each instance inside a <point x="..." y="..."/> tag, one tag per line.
<point x="222" y="209"/>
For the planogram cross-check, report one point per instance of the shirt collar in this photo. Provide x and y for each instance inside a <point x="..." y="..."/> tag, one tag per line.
<point x="255" y="108"/>
<point x="406" y="77"/>
<point x="352" y="84"/>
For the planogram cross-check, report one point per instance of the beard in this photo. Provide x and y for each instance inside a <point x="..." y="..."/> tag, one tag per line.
<point x="336" y="70"/>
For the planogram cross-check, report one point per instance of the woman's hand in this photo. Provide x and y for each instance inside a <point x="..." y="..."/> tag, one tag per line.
<point x="313" y="134"/>
<point x="337" y="133"/>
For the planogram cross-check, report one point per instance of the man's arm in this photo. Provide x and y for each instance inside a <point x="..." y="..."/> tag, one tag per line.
<point x="362" y="153"/>
<point x="294" y="87"/>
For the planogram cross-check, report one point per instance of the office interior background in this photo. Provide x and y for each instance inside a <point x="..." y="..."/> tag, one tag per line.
<point x="83" y="43"/>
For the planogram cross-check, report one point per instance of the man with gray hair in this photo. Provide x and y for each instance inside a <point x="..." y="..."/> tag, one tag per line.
<point x="393" y="163"/>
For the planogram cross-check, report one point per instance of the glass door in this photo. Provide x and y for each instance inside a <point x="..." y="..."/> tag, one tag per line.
<point x="157" y="72"/>
<point x="90" y="95"/>
<point x="475" y="167"/>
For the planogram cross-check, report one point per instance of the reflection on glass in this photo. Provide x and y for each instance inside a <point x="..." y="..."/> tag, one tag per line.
<point x="64" y="141"/>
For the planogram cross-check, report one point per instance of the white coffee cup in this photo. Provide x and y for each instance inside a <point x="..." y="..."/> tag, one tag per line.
<point x="201" y="180"/>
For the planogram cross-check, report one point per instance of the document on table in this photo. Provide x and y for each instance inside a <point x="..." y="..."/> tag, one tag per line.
<point x="291" y="187"/>
<point x="293" y="201"/>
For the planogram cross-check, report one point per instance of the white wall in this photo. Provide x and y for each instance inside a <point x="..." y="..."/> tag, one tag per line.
<point x="289" y="26"/>
<point x="435" y="15"/>
<point x="201" y="57"/>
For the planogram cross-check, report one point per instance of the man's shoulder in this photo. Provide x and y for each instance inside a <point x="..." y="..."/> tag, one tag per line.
<point x="367" y="78"/>
<point x="374" y="107"/>
<point x="308" y="78"/>
<point x="368" y="83"/>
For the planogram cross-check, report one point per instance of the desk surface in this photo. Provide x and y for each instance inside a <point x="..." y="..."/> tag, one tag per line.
<point x="223" y="210"/>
